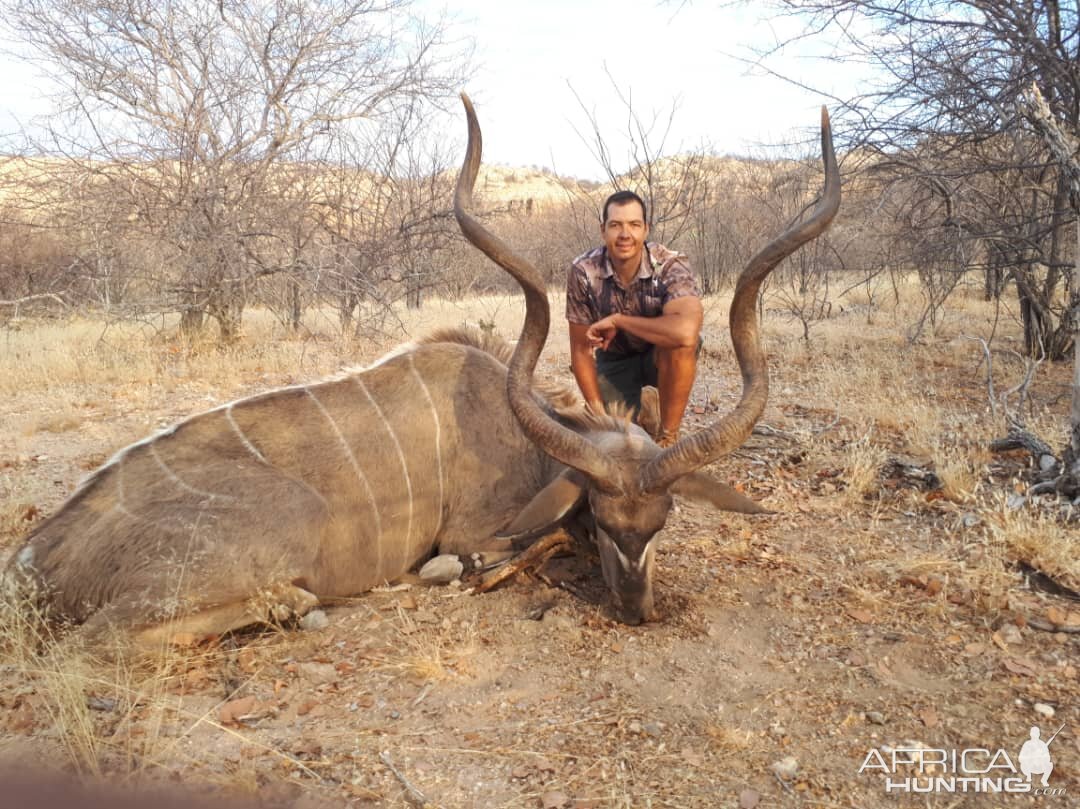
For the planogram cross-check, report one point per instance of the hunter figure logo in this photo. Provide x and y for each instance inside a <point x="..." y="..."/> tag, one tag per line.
<point x="919" y="769"/>
<point x="1035" y="756"/>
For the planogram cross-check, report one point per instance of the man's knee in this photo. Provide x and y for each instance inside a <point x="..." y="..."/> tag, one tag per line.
<point x="680" y="358"/>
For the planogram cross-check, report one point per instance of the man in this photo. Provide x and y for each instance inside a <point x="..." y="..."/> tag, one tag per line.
<point x="635" y="318"/>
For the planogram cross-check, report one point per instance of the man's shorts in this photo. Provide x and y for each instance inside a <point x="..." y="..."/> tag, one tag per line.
<point x="622" y="376"/>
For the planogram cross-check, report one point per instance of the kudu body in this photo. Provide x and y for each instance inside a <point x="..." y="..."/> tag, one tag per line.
<point x="268" y="505"/>
<point x="625" y="478"/>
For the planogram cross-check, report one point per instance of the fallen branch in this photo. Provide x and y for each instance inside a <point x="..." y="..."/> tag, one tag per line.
<point x="1047" y="626"/>
<point x="412" y="794"/>
<point x="15" y="303"/>
<point x="1019" y="438"/>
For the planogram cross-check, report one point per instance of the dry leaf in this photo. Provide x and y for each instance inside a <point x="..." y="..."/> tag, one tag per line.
<point x="929" y="717"/>
<point x="1021" y="666"/>
<point x="862" y="616"/>
<point x="307" y="749"/>
<point x="246" y="660"/>
<point x="692" y="757"/>
<point x="999" y="641"/>
<point x="1057" y="616"/>
<point x="234" y="710"/>
<point x="183" y="640"/>
<point x="934" y="585"/>
<point x="974" y="649"/>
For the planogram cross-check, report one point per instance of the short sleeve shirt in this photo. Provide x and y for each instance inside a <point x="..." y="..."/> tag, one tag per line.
<point x="593" y="290"/>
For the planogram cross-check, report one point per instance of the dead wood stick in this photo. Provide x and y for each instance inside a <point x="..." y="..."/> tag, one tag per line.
<point x="534" y="556"/>
<point x="412" y="794"/>
<point x="1047" y="626"/>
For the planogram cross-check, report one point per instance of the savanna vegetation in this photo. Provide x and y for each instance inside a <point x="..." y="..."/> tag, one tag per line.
<point x="173" y="244"/>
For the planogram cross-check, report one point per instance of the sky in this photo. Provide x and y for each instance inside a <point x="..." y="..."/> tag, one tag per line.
<point x="535" y="60"/>
<point x="533" y="57"/>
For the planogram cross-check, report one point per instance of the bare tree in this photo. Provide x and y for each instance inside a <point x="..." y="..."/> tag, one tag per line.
<point x="941" y="113"/>
<point x="190" y="113"/>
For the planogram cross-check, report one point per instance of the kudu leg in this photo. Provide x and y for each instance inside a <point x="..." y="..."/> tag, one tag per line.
<point x="535" y="556"/>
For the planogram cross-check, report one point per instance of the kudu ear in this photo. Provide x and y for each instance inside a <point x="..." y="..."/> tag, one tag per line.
<point x="706" y="489"/>
<point x="550" y="505"/>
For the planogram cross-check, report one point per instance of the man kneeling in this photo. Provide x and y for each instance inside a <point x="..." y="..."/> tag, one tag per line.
<point x="635" y="315"/>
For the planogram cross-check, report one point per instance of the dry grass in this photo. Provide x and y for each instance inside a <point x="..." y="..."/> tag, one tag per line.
<point x="893" y="399"/>
<point x="862" y="470"/>
<point x="1035" y="538"/>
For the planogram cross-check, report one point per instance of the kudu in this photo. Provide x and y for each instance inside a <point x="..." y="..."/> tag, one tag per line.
<point x="264" y="507"/>
<point x="627" y="479"/>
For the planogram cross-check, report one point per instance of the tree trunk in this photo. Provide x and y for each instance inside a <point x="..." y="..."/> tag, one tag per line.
<point x="295" y="307"/>
<point x="347" y="303"/>
<point x="1071" y="456"/>
<point x="413" y="297"/>
<point x="228" y="310"/>
<point x="191" y="322"/>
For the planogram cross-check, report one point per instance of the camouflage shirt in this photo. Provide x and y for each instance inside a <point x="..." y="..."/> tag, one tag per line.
<point x="593" y="291"/>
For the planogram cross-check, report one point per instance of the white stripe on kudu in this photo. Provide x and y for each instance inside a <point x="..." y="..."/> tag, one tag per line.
<point x="243" y="438"/>
<point x="401" y="456"/>
<point x="175" y="478"/>
<point x="120" y="505"/>
<point x="359" y="472"/>
<point x="438" y="436"/>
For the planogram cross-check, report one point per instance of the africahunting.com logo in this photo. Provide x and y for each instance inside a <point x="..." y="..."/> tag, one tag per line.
<point x="920" y="769"/>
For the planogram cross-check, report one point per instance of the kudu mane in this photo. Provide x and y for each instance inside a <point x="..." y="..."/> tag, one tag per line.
<point x="561" y="398"/>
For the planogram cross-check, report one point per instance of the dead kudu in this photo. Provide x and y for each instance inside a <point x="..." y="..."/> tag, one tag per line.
<point x="266" y="506"/>
<point x="626" y="480"/>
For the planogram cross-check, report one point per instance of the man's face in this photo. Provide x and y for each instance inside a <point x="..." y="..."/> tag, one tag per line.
<point x="625" y="231"/>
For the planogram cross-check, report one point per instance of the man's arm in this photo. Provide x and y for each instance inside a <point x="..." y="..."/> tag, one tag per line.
<point x="678" y="326"/>
<point x="583" y="364"/>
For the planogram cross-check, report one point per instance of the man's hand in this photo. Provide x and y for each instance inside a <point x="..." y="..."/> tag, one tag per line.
<point x="602" y="332"/>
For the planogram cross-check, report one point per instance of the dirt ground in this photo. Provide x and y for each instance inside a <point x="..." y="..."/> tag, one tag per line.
<point x="790" y="647"/>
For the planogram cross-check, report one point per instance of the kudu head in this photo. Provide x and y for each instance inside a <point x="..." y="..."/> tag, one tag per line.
<point x="627" y="480"/>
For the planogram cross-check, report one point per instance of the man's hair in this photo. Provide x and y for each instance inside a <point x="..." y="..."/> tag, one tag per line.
<point x="620" y="198"/>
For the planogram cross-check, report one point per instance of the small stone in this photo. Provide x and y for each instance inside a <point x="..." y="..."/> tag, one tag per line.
<point x="875" y="717"/>
<point x="969" y="520"/>
<point x="442" y="569"/>
<point x="653" y="729"/>
<point x="1044" y="710"/>
<point x="1015" y="501"/>
<point x="1011" y="634"/>
<point x="749" y="799"/>
<point x="1047" y="463"/>
<point x="634" y="726"/>
<point x="554" y="800"/>
<point x="318" y="673"/>
<point x="786" y="768"/>
<point x="314" y="621"/>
